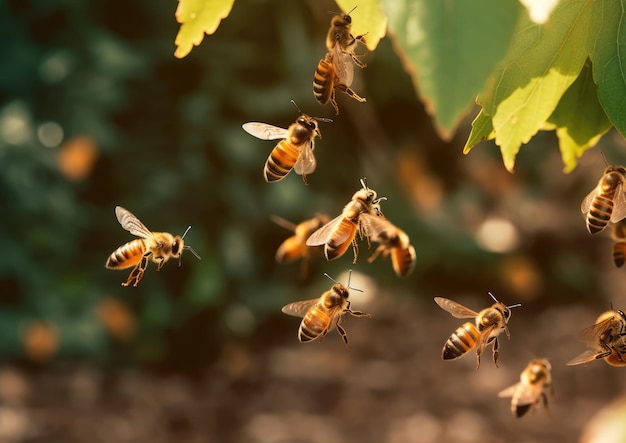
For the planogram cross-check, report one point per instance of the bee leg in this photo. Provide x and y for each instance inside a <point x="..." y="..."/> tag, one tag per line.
<point x="355" y="250"/>
<point x="376" y="253"/>
<point x="138" y="271"/>
<point x="344" y="336"/>
<point x="358" y="313"/>
<point x="350" y="93"/>
<point x="496" y="347"/>
<point x="333" y="101"/>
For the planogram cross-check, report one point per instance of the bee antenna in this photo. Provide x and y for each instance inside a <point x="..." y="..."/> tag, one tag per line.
<point x="186" y="231"/>
<point x="379" y="199"/>
<point x="324" y="119"/>
<point x="604" y="157"/>
<point x="351" y="10"/>
<point x="190" y="249"/>
<point x="493" y="297"/>
<point x="516" y="305"/>
<point x="297" y="107"/>
<point x="364" y="182"/>
<point x="330" y="277"/>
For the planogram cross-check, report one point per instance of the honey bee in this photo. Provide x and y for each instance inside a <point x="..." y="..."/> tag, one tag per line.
<point x="339" y="233"/>
<point x="533" y="388"/>
<point x="320" y="315"/>
<point x="294" y="151"/>
<point x="159" y="246"/>
<point x="606" y="201"/>
<point x="490" y="322"/>
<point x="392" y="241"/>
<point x="619" y="247"/>
<point x="295" y="247"/>
<point x="607" y="337"/>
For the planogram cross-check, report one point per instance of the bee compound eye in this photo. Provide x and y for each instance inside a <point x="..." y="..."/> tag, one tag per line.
<point x="175" y="247"/>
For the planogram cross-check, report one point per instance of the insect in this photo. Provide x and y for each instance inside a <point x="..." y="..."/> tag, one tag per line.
<point x="340" y="40"/>
<point x="334" y="72"/>
<point x="320" y="315"/>
<point x="158" y="246"/>
<point x="339" y="233"/>
<point x="619" y="247"/>
<point x="490" y="322"/>
<point x="607" y="338"/>
<point x="294" y="247"/>
<point x="294" y="151"/>
<point x="392" y="241"/>
<point x="533" y="388"/>
<point x="606" y="201"/>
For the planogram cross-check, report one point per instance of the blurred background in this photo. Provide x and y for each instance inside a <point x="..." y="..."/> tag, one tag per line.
<point x="96" y="112"/>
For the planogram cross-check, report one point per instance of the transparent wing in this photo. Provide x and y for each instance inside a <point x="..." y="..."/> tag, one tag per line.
<point x="306" y="163"/>
<point x="619" y="205"/>
<point x="373" y="226"/>
<point x="283" y="223"/>
<point x="264" y="131"/>
<point x="299" y="308"/>
<point x="586" y="204"/>
<point x="591" y="333"/>
<point x="585" y="357"/>
<point x="456" y="309"/>
<point x="131" y="223"/>
<point x="344" y="67"/>
<point x="509" y="392"/>
<point x="322" y="235"/>
<point x="485" y="335"/>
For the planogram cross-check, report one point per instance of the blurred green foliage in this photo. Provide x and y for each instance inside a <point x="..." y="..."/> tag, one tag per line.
<point x="170" y="148"/>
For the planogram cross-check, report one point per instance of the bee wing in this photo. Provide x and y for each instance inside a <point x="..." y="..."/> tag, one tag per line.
<point x="456" y="309"/>
<point x="264" y="131"/>
<point x="619" y="207"/>
<point x="373" y="225"/>
<point x="344" y="67"/>
<point x="306" y="163"/>
<point x="586" y="204"/>
<point x="299" y="308"/>
<point x="283" y="223"/>
<point x="591" y="333"/>
<point x="485" y="335"/>
<point x="585" y="357"/>
<point x="131" y="223"/>
<point x="510" y="391"/>
<point x="322" y="235"/>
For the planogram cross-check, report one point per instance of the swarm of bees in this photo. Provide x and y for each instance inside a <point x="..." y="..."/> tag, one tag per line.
<point x="362" y="219"/>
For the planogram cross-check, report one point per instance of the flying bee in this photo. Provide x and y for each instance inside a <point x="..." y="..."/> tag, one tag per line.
<point x="533" y="388"/>
<point x="339" y="38"/>
<point x="339" y="233"/>
<point x="490" y="322"/>
<point x="294" y="151"/>
<point x="619" y="247"/>
<point x="320" y="315"/>
<point x="295" y="247"/>
<point x="606" y="201"/>
<point x="158" y="246"/>
<point x="392" y="241"/>
<point x="607" y="337"/>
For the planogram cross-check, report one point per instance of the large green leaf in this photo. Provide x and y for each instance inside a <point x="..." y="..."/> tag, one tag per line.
<point x="579" y="119"/>
<point x="609" y="60"/>
<point x="366" y="19"/>
<point x="198" y="17"/>
<point x="450" y="48"/>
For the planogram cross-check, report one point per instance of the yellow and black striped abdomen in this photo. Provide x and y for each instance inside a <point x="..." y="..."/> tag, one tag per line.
<point x="281" y="161"/>
<point x="619" y="254"/>
<point x="461" y="341"/>
<point x="599" y="213"/>
<point x="314" y="324"/>
<point x="127" y="255"/>
<point x="340" y="239"/>
<point x="323" y="81"/>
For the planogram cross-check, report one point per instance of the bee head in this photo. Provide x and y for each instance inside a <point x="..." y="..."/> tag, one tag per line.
<point x="178" y="245"/>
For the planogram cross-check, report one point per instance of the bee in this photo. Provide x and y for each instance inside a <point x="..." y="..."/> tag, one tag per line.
<point x="606" y="201"/>
<point x="294" y="151"/>
<point x="320" y="315"/>
<point x="158" y="246"/>
<point x="339" y="38"/>
<point x="295" y="247"/>
<point x="490" y="322"/>
<point x="392" y="241"/>
<point x="607" y="337"/>
<point x="533" y="388"/>
<point x="334" y="72"/>
<point x="339" y="233"/>
<point x="619" y="247"/>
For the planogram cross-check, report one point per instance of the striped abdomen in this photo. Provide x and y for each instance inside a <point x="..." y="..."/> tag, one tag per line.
<point x="600" y="212"/>
<point x="461" y="341"/>
<point x="281" y="161"/>
<point x="403" y="260"/>
<point x="619" y="254"/>
<point x="340" y="239"/>
<point x="323" y="81"/>
<point x="315" y="323"/>
<point x="127" y="255"/>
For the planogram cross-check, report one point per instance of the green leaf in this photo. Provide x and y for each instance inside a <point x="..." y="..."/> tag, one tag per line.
<point x="450" y="48"/>
<point x="198" y="17"/>
<point x="543" y="62"/>
<point x="609" y="64"/>
<point x="482" y="129"/>
<point x="366" y="19"/>
<point x="579" y="119"/>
